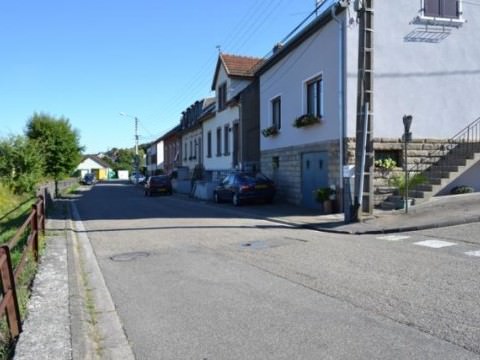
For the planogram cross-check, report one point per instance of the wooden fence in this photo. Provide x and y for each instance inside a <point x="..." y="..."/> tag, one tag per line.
<point x="33" y="226"/>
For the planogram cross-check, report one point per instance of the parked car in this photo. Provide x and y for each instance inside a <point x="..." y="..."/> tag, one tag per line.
<point x="140" y="178"/>
<point x="243" y="186"/>
<point x="88" y="179"/>
<point x="158" y="184"/>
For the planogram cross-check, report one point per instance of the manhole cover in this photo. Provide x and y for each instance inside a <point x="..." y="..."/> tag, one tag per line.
<point x="129" y="256"/>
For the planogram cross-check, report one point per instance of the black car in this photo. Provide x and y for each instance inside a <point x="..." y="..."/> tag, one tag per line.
<point x="158" y="184"/>
<point x="88" y="179"/>
<point x="243" y="186"/>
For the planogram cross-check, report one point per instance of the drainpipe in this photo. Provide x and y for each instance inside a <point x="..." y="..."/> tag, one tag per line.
<point x="341" y="94"/>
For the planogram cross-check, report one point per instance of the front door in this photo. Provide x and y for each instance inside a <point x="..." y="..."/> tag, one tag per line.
<point x="314" y="176"/>
<point x="235" y="145"/>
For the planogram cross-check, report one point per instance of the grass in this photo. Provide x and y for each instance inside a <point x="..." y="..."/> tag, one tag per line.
<point x="13" y="212"/>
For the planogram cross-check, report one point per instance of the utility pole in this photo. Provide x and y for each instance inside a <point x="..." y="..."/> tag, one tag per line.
<point x="136" y="150"/>
<point x="364" y="154"/>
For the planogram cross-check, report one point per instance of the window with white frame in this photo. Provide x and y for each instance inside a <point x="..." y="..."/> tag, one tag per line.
<point x="209" y="144"/>
<point x="226" y="142"/>
<point x="222" y="96"/>
<point x="314" y="90"/>
<point x="277" y="112"/>
<point x="219" y="141"/>
<point x="446" y="9"/>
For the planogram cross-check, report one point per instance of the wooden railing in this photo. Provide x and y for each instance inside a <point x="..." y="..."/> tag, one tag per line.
<point x="33" y="226"/>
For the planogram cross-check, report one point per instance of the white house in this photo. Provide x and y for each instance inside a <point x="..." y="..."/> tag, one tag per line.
<point x="155" y="156"/>
<point x="225" y="132"/>
<point x="425" y="56"/>
<point x="94" y="165"/>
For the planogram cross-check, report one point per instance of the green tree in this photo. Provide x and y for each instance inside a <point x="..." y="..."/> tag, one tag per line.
<point x="58" y="143"/>
<point x="21" y="164"/>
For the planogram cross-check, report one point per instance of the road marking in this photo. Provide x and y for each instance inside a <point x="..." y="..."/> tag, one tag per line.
<point x="393" y="237"/>
<point x="436" y="244"/>
<point x="473" y="253"/>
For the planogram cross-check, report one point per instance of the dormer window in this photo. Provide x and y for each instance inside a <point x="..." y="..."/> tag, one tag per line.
<point x="222" y="96"/>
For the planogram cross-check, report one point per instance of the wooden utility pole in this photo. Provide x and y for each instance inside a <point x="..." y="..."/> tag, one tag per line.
<point x="363" y="197"/>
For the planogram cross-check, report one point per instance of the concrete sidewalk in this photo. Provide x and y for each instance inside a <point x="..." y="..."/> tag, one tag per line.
<point x="438" y="212"/>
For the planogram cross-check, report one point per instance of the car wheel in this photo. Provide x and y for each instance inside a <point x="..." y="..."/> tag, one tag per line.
<point x="216" y="198"/>
<point x="269" y="200"/>
<point x="146" y="193"/>
<point x="236" y="200"/>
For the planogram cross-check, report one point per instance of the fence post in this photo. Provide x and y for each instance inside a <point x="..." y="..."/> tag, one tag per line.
<point x="35" y="228"/>
<point x="10" y="295"/>
<point x="43" y="213"/>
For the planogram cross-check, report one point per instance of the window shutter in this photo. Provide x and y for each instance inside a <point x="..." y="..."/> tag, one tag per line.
<point x="450" y="9"/>
<point x="432" y="8"/>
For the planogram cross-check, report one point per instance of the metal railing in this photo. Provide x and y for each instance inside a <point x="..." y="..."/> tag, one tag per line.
<point x="451" y="154"/>
<point x="33" y="226"/>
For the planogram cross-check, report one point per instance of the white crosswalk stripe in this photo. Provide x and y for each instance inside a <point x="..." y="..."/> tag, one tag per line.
<point x="436" y="244"/>
<point x="393" y="237"/>
<point x="473" y="253"/>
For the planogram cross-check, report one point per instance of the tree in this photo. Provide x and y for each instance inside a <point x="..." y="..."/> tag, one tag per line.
<point x="21" y="165"/>
<point x="57" y="142"/>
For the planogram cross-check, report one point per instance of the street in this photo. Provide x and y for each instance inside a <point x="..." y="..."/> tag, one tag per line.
<point x="198" y="280"/>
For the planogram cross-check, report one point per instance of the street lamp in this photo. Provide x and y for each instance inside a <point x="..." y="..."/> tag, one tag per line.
<point x="136" y="143"/>
<point x="407" y="136"/>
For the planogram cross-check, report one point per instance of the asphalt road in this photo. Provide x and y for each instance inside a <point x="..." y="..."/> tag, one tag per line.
<point x="196" y="280"/>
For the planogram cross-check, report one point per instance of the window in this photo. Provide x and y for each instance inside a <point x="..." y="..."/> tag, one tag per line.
<point x="222" y="96"/>
<point x="209" y="144"/>
<point x="191" y="150"/>
<point x="186" y="151"/>
<point x="153" y="159"/>
<point x="448" y="9"/>
<point x="277" y="112"/>
<point x="219" y="141"/>
<point x="226" y="143"/>
<point x="314" y="97"/>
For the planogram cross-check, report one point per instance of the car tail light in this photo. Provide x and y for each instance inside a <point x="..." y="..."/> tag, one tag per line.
<point x="244" y="188"/>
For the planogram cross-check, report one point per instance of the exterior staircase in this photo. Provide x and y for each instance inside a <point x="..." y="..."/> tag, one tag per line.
<point x="444" y="165"/>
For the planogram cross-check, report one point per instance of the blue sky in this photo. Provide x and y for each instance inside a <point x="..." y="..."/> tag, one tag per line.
<point x="90" y="60"/>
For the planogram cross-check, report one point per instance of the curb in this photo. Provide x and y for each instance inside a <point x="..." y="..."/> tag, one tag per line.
<point x="105" y="335"/>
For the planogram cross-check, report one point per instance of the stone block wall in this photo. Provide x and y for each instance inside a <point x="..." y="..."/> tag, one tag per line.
<point x="284" y="166"/>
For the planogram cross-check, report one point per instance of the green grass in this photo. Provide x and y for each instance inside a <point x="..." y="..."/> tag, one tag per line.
<point x="13" y="212"/>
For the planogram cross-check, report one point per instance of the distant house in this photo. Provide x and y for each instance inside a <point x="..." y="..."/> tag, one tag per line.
<point x="155" y="156"/>
<point x="172" y="145"/>
<point x="231" y="139"/>
<point x="95" y="165"/>
<point x="191" y="134"/>
<point x="425" y="56"/>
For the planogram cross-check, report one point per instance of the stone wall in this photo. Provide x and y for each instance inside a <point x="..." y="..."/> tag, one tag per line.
<point x="287" y="171"/>
<point x="421" y="154"/>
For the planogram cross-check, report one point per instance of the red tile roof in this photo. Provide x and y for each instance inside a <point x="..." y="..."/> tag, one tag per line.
<point x="239" y="65"/>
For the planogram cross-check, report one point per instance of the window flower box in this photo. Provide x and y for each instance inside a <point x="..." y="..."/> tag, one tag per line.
<point x="306" y="120"/>
<point x="270" y="131"/>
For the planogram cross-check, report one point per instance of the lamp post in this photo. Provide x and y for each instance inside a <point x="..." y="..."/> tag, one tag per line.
<point x="136" y="143"/>
<point x="407" y="136"/>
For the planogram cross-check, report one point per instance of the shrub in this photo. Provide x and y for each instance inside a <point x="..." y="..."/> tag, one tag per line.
<point x="462" y="189"/>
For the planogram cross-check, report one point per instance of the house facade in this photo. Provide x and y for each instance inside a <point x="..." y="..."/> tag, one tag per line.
<point x="234" y="126"/>
<point x="425" y="56"/>
<point x="155" y="157"/>
<point x="94" y="165"/>
<point x="172" y="149"/>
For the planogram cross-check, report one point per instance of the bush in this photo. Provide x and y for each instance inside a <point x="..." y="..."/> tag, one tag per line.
<point x="462" y="189"/>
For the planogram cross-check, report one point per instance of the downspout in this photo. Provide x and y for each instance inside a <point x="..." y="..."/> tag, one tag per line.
<point x="341" y="95"/>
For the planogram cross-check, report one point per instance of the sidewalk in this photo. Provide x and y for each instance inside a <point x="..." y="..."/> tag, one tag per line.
<point x="438" y="212"/>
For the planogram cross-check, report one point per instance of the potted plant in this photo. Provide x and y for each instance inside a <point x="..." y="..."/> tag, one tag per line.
<point x="270" y="131"/>
<point x="325" y="195"/>
<point x="398" y="181"/>
<point x="306" y="120"/>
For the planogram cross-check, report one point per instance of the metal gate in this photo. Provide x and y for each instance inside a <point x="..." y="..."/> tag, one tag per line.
<point x="314" y="176"/>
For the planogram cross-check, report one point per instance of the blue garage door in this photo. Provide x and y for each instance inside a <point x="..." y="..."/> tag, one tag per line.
<point x="314" y="176"/>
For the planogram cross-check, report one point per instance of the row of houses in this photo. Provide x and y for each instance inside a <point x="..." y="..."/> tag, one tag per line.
<point x="292" y="115"/>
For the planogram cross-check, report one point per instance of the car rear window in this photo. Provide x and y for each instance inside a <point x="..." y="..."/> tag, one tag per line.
<point x="159" y="179"/>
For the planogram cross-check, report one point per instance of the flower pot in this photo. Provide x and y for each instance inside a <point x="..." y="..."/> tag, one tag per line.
<point x="400" y="203"/>
<point x="327" y="206"/>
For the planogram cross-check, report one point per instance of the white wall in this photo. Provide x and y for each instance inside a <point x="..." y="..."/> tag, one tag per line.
<point x="437" y="82"/>
<point x="317" y="55"/>
<point x="190" y="138"/>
